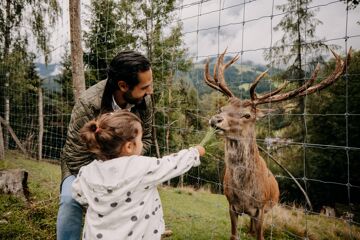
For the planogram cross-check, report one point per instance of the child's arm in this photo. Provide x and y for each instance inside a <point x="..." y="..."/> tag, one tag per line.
<point x="173" y="165"/>
<point x="77" y="192"/>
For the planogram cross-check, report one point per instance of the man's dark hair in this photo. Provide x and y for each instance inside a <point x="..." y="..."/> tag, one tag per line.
<point x="125" y="67"/>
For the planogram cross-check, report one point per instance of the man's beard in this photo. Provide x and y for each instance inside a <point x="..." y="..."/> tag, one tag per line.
<point x="131" y="100"/>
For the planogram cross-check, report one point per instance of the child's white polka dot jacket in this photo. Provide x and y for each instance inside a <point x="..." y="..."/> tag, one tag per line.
<point x="122" y="197"/>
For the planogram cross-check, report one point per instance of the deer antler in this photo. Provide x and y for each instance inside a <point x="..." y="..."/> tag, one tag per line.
<point x="306" y="88"/>
<point x="218" y="81"/>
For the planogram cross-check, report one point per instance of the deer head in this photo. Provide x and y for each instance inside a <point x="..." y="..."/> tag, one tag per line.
<point x="238" y="117"/>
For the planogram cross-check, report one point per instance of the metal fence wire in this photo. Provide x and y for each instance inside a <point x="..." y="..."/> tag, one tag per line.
<point x="249" y="28"/>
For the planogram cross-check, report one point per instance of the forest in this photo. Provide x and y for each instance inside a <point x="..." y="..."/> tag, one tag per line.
<point x="317" y="138"/>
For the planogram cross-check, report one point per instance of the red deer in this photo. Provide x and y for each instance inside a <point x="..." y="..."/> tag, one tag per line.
<point x="249" y="185"/>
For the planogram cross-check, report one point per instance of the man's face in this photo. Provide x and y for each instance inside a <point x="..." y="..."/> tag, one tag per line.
<point x="143" y="88"/>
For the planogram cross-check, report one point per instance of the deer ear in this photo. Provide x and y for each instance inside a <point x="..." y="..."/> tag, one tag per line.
<point x="260" y="113"/>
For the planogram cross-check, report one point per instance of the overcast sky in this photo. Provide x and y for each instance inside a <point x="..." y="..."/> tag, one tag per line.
<point x="204" y="37"/>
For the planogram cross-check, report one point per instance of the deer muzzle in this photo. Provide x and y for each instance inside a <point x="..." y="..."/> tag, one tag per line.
<point x="215" y="121"/>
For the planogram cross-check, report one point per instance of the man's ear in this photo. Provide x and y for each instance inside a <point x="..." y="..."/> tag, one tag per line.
<point x="260" y="113"/>
<point x="123" y="86"/>
<point x="127" y="148"/>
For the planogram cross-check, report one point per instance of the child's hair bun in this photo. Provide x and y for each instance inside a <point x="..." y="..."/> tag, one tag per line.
<point x="93" y="127"/>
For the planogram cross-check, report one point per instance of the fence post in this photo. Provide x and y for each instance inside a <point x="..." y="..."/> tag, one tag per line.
<point x="7" y="110"/>
<point x="2" y="149"/>
<point x="41" y="123"/>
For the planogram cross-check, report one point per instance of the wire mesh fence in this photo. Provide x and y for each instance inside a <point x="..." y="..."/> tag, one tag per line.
<point x="319" y="142"/>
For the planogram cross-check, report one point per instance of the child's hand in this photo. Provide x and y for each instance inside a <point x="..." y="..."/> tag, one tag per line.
<point x="201" y="150"/>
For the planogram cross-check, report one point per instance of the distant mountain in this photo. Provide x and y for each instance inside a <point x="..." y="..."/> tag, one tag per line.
<point x="238" y="77"/>
<point x="47" y="70"/>
<point x="49" y="73"/>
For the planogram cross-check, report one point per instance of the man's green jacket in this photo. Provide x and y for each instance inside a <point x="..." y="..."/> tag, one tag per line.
<point x="74" y="154"/>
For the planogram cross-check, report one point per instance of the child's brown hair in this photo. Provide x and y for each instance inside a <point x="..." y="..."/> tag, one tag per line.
<point x="106" y="135"/>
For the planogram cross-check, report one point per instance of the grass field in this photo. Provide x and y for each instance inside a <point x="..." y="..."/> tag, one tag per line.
<point x="189" y="214"/>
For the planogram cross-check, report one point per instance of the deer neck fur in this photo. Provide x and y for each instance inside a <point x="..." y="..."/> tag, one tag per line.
<point x="241" y="154"/>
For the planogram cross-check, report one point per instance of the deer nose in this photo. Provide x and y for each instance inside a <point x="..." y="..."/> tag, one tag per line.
<point x="215" y="120"/>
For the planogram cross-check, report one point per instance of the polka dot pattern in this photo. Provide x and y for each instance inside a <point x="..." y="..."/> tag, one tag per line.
<point x="147" y="212"/>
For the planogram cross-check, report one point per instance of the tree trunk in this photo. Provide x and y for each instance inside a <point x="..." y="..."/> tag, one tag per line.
<point x="2" y="149"/>
<point x="12" y="133"/>
<point x="154" y="135"/>
<point x="7" y="43"/>
<point x="299" y="75"/>
<point x="7" y="28"/>
<point x="14" y="182"/>
<point x="167" y="141"/>
<point x="76" y="49"/>
<point x="149" y="55"/>
<point x="7" y="113"/>
<point x="41" y="124"/>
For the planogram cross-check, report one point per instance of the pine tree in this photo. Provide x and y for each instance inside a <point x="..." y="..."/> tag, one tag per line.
<point x="339" y="126"/>
<point x="298" y="26"/>
<point x="110" y="31"/>
<point x="66" y="95"/>
<point x="13" y="16"/>
<point x="116" y="25"/>
<point x="58" y="106"/>
<point x="298" y="41"/>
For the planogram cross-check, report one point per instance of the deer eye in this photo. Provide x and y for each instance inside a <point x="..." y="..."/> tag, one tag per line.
<point x="247" y="116"/>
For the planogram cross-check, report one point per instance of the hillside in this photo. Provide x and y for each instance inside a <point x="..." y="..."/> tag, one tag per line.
<point x="238" y="77"/>
<point x="190" y="214"/>
<point x="48" y="73"/>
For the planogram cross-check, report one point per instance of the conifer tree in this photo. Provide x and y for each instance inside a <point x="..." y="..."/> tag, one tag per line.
<point x="298" y="41"/>
<point x="116" y="25"/>
<point x="14" y="15"/>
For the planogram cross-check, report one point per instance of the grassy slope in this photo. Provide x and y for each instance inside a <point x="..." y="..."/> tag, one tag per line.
<point x="189" y="214"/>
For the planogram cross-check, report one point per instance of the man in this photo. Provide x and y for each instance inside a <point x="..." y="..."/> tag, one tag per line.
<point x="128" y="86"/>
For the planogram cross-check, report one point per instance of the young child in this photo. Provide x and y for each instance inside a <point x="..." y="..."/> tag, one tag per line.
<point x="120" y="188"/>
